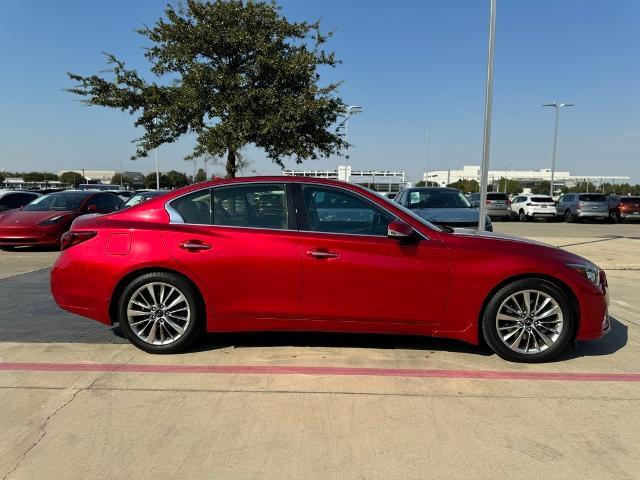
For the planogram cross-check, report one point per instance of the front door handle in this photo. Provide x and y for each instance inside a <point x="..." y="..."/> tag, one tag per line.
<point x="194" y="246"/>
<point x="319" y="253"/>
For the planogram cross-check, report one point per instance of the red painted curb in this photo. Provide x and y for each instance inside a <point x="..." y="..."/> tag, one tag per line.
<point x="332" y="371"/>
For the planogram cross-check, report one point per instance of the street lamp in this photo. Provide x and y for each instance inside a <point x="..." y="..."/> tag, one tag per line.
<point x="557" y="106"/>
<point x="350" y="111"/>
<point x="426" y="181"/>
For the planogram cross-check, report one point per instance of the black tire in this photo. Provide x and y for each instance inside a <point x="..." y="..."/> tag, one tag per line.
<point x="490" y="331"/>
<point x="522" y="216"/>
<point x="568" y="217"/>
<point x="193" y="298"/>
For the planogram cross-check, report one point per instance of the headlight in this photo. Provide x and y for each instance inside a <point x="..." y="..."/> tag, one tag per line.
<point x="590" y="272"/>
<point x="51" y="220"/>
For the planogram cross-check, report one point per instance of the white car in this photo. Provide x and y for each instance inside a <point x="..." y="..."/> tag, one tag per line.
<point x="528" y="207"/>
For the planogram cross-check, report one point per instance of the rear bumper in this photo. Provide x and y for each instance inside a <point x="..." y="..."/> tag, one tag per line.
<point x="587" y="214"/>
<point x="628" y="215"/>
<point x="498" y="212"/>
<point x="541" y="212"/>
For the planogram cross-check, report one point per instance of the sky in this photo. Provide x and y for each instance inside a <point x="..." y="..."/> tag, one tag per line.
<point x="412" y="66"/>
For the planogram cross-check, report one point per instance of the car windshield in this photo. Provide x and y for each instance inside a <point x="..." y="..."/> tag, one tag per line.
<point x="542" y="199"/>
<point x="413" y="215"/>
<point x="592" y="197"/>
<point x="57" y="202"/>
<point x="437" y="199"/>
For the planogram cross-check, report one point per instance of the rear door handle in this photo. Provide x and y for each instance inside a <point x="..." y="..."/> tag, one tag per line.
<point x="194" y="245"/>
<point x="318" y="253"/>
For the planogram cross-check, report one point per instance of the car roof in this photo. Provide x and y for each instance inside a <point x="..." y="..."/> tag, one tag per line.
<point x="7" y="192"/>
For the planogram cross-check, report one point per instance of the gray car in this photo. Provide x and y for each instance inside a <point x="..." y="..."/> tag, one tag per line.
<point x="498" y="204"/>
<point x="575" y="206"/>
<point x="442" y="206"/>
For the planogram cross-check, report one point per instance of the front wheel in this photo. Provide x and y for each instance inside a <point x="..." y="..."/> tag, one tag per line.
<point x="528" y="320"/>
<point x="568" y="217"/>
<point x="160" y="312"/>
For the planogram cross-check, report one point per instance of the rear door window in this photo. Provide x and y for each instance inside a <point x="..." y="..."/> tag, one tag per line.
<point x="194" y="208"/>
<point x="255" y="206"/>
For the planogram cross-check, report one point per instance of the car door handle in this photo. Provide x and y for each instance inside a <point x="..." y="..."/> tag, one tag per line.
<point x="194" y="245"/>
<point x="318" y="253"/>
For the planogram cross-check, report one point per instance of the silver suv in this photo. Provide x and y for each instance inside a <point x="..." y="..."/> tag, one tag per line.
<point x="574" y="206"/>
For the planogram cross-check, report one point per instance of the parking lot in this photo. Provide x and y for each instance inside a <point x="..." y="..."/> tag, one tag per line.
<point x="317" y="405"/>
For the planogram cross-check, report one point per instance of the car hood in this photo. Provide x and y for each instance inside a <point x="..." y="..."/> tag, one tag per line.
<point x="528" y="247"/>
<point x="26" y="217"/>
<point x="435" y="215"/>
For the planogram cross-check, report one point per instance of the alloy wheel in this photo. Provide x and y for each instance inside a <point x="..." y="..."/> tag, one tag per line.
<point x="158" y="313"/>
<point x="529" y="321"/>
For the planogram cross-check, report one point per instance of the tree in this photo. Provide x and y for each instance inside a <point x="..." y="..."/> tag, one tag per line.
<point x="200" y="176"/>
<point x="171" y="179"/>
<point x="120" y="179"/>
<point x="72" y="178"/>
<point x="510" y="186"/>
<point x="541" y="188"/>
<point x="241" y="74"/>
<point x="467" y="186"/>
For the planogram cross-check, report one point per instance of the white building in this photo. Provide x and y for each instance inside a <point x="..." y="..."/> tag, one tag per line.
<point x="383" y="181"/>
<point x="472" y="172"/>
<point x="105" y="176"/>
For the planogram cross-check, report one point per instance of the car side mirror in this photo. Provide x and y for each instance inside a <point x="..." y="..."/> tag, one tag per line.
<point x="399" y="230"/>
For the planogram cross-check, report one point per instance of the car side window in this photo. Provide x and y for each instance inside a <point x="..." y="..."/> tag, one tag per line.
<point x="194" y="208"/>
<point x="105" y="203"/>
<point x="333" y="210"/>
<point x="252" y="205"/>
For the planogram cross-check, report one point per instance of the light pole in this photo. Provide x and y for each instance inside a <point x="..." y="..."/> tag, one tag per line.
<point x="426" y="181"/>
<point x="349" y="112"/>
<point x="557" y="106"/>
<point x="488" y="103"/>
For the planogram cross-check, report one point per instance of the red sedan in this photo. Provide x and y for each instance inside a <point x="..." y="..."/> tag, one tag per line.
<point x="43" y="221"/>
<point x="303" y="254"/>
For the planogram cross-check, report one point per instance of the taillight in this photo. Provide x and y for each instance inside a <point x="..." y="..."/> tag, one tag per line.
<point x="489" y="202"/>
<point x="508" y="202"/>
<point x="70" y="239"/>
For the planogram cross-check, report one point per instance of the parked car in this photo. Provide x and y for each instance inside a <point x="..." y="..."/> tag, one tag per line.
<point x="528" y="207"/>
<point x="336" y="257"/>
<point x="627" y="208"/>
<point x="578" y="206"/>
<point x="43" y="221"/>
<point x="143" y="197"/>
<point x="498" y="204"/>
<point x="442" y="206"/>
<point x="12" y="199"/>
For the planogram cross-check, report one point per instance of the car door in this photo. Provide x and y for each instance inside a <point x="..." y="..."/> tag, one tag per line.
<point x="241" y="243"/>
<point x="351" y="270"/>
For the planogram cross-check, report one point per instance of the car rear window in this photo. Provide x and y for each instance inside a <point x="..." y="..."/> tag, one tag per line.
<point x="592" y="197"/>
<point x="630" y="200"/>
<point x="542" y="199"/>
<point x="497" y="196"/>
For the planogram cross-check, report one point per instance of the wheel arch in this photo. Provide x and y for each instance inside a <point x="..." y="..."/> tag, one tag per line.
<point x="124" y="281"/>
<point x="571" y="296"/>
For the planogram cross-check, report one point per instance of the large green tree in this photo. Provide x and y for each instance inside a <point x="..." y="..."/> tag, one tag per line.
<point x="72" y="178"/>
<point x="541" y="188"/>
<point x="200" y="176"/>
<point x="467" y="186"/>
<point x="171" y="179"/>
<point x="232" y="73"/>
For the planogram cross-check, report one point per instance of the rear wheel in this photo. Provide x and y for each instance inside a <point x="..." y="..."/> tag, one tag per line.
<point x="529" y="320"/>
<point x="522" y="216"/>
<point x="160" y="312"/>
<point x="568" y="217"/>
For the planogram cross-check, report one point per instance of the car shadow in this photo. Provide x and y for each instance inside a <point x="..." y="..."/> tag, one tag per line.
<point x="615" y="340"/>
<point x="214" y="341"/>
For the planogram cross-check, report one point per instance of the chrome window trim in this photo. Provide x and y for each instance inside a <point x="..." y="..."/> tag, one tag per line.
<point x="176" y="218"/>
